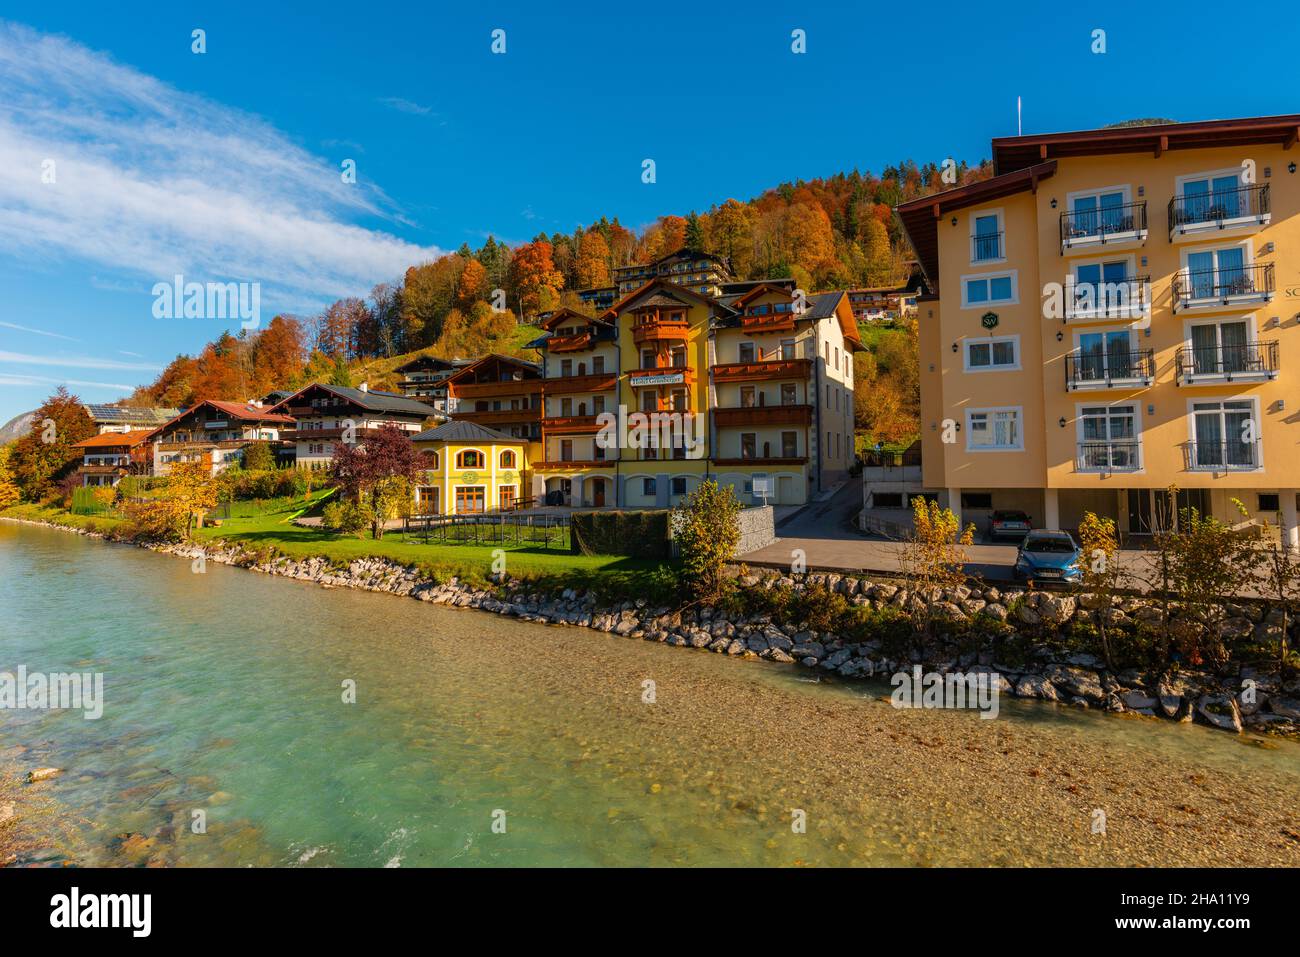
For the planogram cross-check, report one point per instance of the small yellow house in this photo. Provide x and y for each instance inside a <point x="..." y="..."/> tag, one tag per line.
<point x="470" y="469"/>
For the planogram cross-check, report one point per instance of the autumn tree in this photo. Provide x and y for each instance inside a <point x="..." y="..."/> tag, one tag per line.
<point x="9" y="492"/>
<point x="592" y="267"/>
<point x="428" y="294"/>
<point x="472" y="285"/>
<point x="535" y="278"/>
<point x="933" y="558"/>
<point x="45" y="455"/>
<point x="378" y="475"/>
<point x="279" y="353"/>
<point x="707" y="529"/>
<point x="178" y="508"/>
<point x="1098" y="564"/>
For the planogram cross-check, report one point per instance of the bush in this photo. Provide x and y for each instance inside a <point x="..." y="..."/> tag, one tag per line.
<point x="344" y="517"/>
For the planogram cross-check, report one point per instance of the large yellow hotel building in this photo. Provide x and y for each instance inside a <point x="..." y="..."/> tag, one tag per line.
<point x="1115" y="312"/>
<point x="763" y="372"/>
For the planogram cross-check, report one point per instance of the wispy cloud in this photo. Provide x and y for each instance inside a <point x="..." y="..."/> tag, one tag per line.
<point x="152" y="181"/>
<point x="75" y="362"/>
<point x="403" y="105"/>
<point x="37" y="332"/>
<point x="9" y="378"/>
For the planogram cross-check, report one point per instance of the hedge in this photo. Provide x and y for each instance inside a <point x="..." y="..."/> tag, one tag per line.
<point x="640" y="534"/>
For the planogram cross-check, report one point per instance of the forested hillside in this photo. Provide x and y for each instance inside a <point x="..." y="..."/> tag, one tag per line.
<point x="828" y="233"/>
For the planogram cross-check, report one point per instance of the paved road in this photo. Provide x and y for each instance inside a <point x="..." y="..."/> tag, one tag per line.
<point x="826" y="534"/>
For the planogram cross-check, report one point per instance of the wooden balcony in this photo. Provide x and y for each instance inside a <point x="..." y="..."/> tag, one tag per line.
<point x="490" y="417"/>
<point x="203" y="444"/>
<point x="582" y="340"/>
<point x="762" y="462"/>
<point x="570" y="424"/>
<point x="574" y="384"/>
<point x="770" y="369"/>
<point x="759" y="415"/>
<point x="772" y="322"/>
<point x="663" y="330"/>
<point x="495" y="390"/>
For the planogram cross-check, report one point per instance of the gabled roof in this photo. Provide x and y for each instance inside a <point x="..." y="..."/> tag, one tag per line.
<point x="665" y="286"/>
<point x="567" y="314"/>
<point x="530" y="369"/>
<point x="427" y="362"/>
<point x="235" y="410"/>
<point x="461" y="430"/>
<point x="1011" y="153"/>
<point x="921" y="216"/>
<point x="760" y="289"/>
<point x="372" y="399"/>
<point x="114" y="439"/>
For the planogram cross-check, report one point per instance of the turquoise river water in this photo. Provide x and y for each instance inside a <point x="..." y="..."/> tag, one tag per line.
<point x="224" y="694"/>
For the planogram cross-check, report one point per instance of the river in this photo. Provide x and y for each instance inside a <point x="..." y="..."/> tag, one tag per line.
<point x="479" y="740"/>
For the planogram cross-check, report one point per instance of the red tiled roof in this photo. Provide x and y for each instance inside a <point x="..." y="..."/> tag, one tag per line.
<point x="112" y="439"/>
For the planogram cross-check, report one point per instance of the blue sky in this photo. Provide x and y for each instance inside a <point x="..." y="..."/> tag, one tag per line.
<point x="225" y="166"/>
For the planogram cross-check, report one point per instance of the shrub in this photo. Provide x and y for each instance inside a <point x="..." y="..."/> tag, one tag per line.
<point x="344" y="517"/>
<point x="707" y="530"/>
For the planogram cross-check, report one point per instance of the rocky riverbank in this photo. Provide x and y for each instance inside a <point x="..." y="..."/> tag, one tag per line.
<point x="1234" y="698"/>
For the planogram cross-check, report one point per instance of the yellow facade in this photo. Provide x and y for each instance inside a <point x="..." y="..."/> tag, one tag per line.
<point x="1070" y="404"/>
<point x="471" y="476"/>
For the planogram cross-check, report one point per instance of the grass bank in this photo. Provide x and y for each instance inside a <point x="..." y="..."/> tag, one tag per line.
<point x="268" y="528"/>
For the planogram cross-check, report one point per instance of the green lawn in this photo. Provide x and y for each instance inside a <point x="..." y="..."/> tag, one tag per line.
<point x="271" y="528"/>
<point x="58" y="516"/>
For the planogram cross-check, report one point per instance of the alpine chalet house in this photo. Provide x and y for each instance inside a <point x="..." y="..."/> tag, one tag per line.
<point x="753" y="388"/>
<point x="119" y="418"/>
<point x="109" y="456"/>
<point x="425" y="378"/>
<point x="215" y="433"/>
<point x="470" y="468"/>
<point x="500" y="392"/>
<point x="1114" y="313"/>
<point x="325" y="415"/>
<point x="581" y="375"/>
<point x="699" y="271"/>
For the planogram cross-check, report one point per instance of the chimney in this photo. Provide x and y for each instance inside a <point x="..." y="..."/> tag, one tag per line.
<point x="364" y="387"/>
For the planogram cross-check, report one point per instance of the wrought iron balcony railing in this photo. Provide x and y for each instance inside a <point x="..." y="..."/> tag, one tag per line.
<point x="1115" y="456"/>
<point x="1127" y="297"/>
<point x="1098" y="370"/>
<point x="1209" y="286"/>
<point x="1247" y="360"/>
<point x="1214" y="209"/>
<point x="1222" y="456"/>
<point x="986" y="247"/>
<point x="1103" y="225"/>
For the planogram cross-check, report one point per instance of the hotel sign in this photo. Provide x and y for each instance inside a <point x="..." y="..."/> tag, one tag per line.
<point x="989" y="320"/>
<point x="662" y="378"/>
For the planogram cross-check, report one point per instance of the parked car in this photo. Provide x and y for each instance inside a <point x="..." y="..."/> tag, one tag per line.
<point x="1048" y="556"/>
<point x="1005" y="523"/>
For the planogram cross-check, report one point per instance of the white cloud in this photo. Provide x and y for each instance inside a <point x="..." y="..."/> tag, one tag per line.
<point x="37" y="332"/>
<point x="75" y="362"/>
<point x="8" y="378"/>
<point x="153" y="181"/>
<point x="403" y="105"/>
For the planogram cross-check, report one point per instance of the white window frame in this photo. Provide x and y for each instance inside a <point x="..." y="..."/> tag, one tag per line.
<point x="1012" y="274"/>
<point x="1247" y="263"/>
<point x="1012" y="367"/>
<point x="1125" y="190"/>
<point x="1137" y="430"/>
<point x="1020" y="429"/>
<point x="1002" y="231"/>
<point x="1255" y="417"/>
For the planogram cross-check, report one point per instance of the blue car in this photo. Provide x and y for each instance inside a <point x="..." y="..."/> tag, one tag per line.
<point x="1048" y="557"/>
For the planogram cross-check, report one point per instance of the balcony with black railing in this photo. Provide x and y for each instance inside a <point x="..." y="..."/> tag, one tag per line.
<point x="1234" y="456"/>
<point x="1226" y="287"/>
<point x="1123" y="455"/>
<point x="1228" y="212"/>
<point x="1213" y="365"/>
<point x="986" y="247"/>
<point x="1112" y="227"/>
<point x="1111" y="370"/>
<point x="1128" y="297"/>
